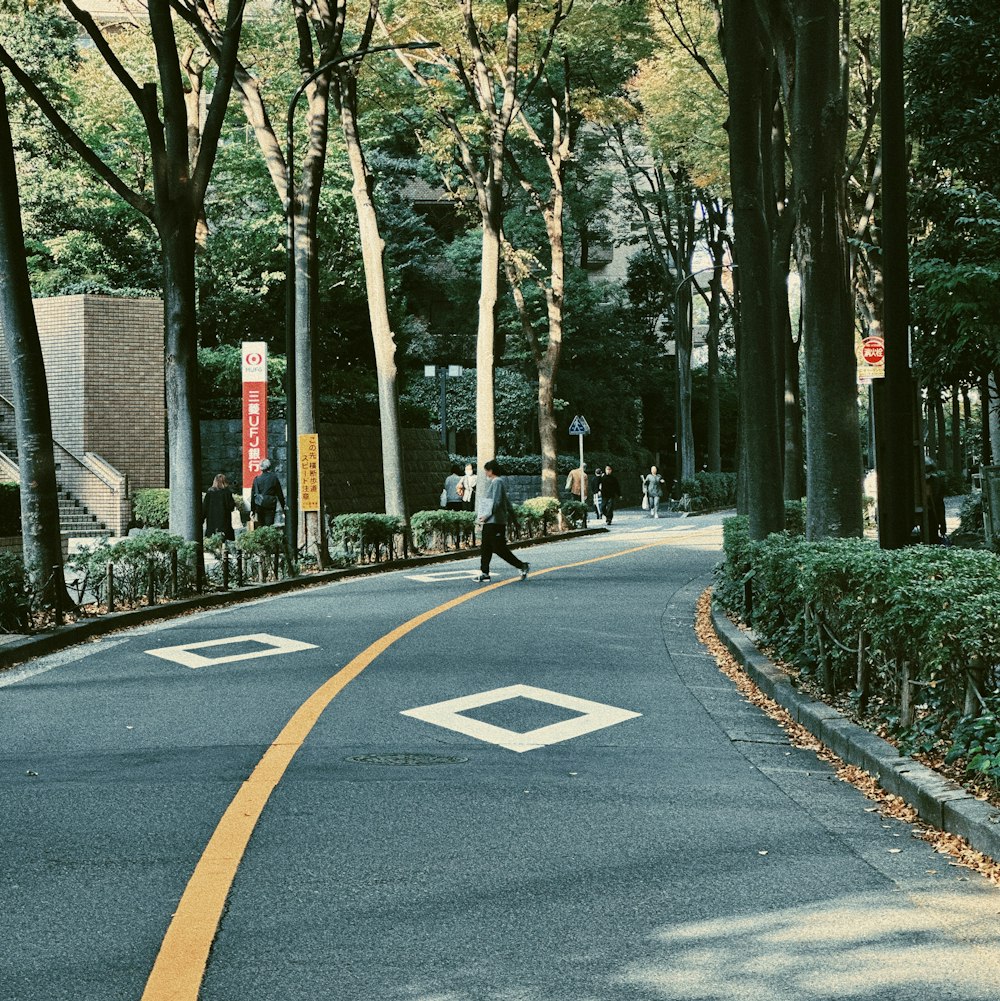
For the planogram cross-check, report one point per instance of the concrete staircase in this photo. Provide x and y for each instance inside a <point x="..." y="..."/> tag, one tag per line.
<point x="75" y="521"/>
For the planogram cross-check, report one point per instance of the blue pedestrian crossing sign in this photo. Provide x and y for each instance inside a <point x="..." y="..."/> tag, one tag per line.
<point x="579" y="425"/>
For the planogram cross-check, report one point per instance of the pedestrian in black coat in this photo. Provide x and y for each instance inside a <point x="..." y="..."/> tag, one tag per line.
<point x="265" y="495"/>
<point x="217" y="507"/>
<point x="610" y="492"/>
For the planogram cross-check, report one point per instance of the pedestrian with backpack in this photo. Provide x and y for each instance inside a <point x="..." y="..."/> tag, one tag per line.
<point x="265" y="495"/>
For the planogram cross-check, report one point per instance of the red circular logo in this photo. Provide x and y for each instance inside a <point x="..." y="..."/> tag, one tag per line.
<point x="873" y="350"/>
<point x="253" y="358"/>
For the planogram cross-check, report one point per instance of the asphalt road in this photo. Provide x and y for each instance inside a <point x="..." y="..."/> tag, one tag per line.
<point x="290" y="813"/>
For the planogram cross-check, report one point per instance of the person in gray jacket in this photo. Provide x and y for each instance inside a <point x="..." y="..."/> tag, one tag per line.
<point x="493" y="508"/>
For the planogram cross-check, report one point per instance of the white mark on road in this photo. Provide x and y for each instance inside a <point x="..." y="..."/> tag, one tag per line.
<point x="267" y="646"/>
<point x="594" y="716"/>
<point x="441" y="575"/>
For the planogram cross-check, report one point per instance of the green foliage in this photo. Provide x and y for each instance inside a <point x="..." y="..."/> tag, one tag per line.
<point x="151" y="507"/>
<point x="437" y="528"/>
<point x="938" y="608"/>
<point x="366" y="537"/>
<point x="268" y="540"/>
<point x="706" y="492"/>
<point x="976" y="742"/>
<point x="220" y="381"/>
<point x="541" y="507"/>
<point x="795" y="517"/>
<point x="15" y="594"/>
<point x="575" y="513"/>
<point x="131" y="559"/>
<point x="10" y="509"/>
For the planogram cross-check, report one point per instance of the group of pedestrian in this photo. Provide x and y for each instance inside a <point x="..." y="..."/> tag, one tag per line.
<point x="218" y="503"/>
<point x="459" y="493"/>
<point x="605" y="490"/>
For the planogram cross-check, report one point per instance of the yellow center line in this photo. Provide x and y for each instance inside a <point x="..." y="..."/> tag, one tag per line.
<point x="182" y="960"/>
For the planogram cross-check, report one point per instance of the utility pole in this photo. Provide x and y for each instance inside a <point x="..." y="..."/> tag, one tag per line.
<point x="897" y="445"/>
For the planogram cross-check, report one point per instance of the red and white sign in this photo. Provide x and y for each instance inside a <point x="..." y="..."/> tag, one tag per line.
<point x="871" y="358"/>
<point x="873" y="350"/>
<point x="254" y="410"/>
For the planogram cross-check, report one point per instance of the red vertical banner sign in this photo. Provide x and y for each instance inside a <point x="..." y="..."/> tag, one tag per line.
<point x="254" y="411"/>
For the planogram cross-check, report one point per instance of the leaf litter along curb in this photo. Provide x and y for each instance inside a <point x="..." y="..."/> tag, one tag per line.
<point x="961" y="852"/>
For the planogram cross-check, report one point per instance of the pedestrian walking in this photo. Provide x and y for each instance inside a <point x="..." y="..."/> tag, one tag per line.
<point x="492" y="512"/>
<point x="265" y="495"/>
<point x="467" y="488"/>
<point x="577" y="482"/>
<point x="218" y="506"/>
<point x="652" y="485"/>
<point x="451" y="494"/>
<point x="610" y="492"/>
<point x="596" y="491"/>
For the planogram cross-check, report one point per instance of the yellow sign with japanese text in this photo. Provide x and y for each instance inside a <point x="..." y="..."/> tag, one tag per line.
<point x="309" y="472"/>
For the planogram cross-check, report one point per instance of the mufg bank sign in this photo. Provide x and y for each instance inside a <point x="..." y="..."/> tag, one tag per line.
<point x="254" y="410"/>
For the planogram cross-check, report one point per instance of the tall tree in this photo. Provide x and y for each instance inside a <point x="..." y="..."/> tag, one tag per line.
<point x="482" y="63"/>
<point x="750" y="70"/>
<point x="819" y="142"/>
<point x="41" y="539"/>
<point x="182" y="155"/>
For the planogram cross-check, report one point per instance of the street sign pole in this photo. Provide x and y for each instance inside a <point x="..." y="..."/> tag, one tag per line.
<point x="580" y="427"/>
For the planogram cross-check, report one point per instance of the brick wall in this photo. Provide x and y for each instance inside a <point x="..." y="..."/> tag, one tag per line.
<point x="104" y="369"/>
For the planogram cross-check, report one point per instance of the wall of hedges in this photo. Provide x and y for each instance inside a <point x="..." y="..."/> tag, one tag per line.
<point x="911" y="634"/>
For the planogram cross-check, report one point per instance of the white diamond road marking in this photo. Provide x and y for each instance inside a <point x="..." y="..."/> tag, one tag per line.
<point x="595" y="716"/>
<point x="440" y="575"/>
<point x="269" y="646"/>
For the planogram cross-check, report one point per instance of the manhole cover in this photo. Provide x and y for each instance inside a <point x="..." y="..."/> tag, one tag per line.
<point x="407" y="758"/>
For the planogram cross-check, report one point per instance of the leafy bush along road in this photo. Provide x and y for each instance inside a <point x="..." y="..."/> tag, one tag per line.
<point x="909" y="640"/>
<point x="154" y="564"/>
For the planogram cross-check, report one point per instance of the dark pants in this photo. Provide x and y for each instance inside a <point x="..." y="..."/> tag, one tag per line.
<point x="265" y="515"/>
<point x="495" y="541"/>
<point x="609" y="509"/>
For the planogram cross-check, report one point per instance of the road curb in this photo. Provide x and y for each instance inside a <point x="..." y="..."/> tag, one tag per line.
<point x="939" y="801"/>
<point x="18" y="651"/>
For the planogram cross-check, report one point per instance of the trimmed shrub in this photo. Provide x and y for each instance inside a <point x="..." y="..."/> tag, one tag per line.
<point x="924" y="622"/>
<point x="706" y="492"/>
<point x="15" y="595"/>
<point x="151" y="507"/>
<point x="574" y="513"/>
<point x="263" y="546"/>
<point x="365" y="538"/>
<point x="435" y="529"/>
<point x="131" y="559"/>
<point x="10" y="509"/>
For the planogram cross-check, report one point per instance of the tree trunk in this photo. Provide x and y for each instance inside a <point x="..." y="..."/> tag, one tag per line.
<point x="485" y="345"/>
<point x="833" y="448"/>
<point x="41" y="538"/>
<point x="957" y="463"/>
<point x="176" y="225"/>
<point x="760" y="436"/>
<point x="683" y="341"/>
<point x="372" y="250"/>
<point x="714" y="431"/>
<point x="993" y="405"/>
<point x="794" y="454"/>
<point x="942" y="435"/>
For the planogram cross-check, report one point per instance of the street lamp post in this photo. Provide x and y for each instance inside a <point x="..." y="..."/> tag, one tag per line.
<point x="291" y="423"/>
<point x="441" y="373"/>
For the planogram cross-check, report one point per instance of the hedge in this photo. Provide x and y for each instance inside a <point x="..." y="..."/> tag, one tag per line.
<point x="151" y="507"/>
<point x="915" y="631"/>
<point x="10" y="509"/>
<point x="706" y="492"/>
